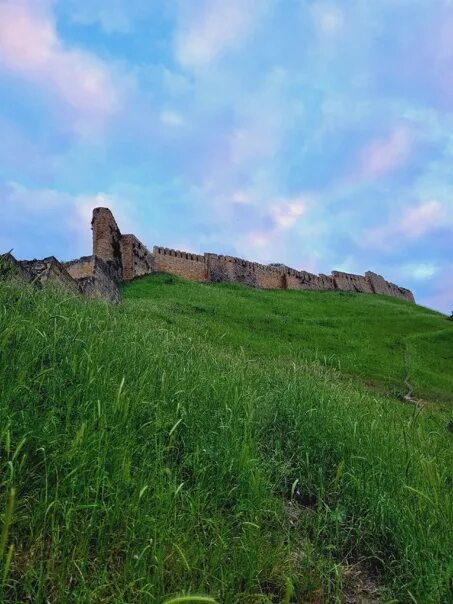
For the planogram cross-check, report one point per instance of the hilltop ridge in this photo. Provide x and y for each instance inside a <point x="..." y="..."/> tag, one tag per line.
<point x="119" y="258"/>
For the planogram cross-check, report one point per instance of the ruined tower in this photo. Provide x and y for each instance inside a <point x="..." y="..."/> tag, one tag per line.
<point x="107" y="241"/>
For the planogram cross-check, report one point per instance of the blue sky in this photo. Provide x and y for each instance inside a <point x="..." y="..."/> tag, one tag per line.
<point x="317" y="133"/>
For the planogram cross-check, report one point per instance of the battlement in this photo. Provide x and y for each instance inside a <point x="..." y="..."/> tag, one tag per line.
<point x="165" y="251"/>
<point x="118" y="258"/>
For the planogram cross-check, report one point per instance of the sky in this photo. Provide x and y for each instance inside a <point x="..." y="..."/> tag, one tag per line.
<point x="314" y="133"/>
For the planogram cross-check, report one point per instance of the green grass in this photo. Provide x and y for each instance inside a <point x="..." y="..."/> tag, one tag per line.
<point x="218" y="440"/>
<point x="378" y="339"/>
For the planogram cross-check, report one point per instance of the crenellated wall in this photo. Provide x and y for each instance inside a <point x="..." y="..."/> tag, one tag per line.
<point x="117" y="258"/>
<point x="184" y="264"/>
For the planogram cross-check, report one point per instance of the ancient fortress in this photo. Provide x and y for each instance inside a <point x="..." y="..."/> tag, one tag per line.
<point x="119" y="258"/>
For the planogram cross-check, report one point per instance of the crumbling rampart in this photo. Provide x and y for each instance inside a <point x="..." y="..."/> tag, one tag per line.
<point x="117" y="258"/>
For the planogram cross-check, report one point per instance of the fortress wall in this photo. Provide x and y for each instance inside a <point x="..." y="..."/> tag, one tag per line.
<point x="300" y="280"/>
<point x="407" y="295"/>
<point x="101" y="284"/>
<point x="117" y="258"/>
<point x="137" y="259"/>
<point x="400" y="292"/>
<point x="343" y="281"/>
<point x="325" y="282"/>
<point x="229" y="269"/>
<point x="50" y="271"/>
<point x="292" y="281"/>
<point x="314" y="282"/>
<point x="80" y="268"/>
<point x="98" y="283"/>
<point x="12" y="269"/>
<point x="184" y="264"/>
<point x="378" y="284"/>
<point x="351" y="282"/>
<point x="237" y="270"/>
<point x="107" y="241"/>
<point x="270" y="277"/>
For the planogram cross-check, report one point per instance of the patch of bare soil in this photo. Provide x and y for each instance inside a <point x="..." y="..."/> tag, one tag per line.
<point x="359" y="586"/>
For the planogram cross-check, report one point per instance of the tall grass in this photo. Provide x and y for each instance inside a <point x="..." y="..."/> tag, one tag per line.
<point x="375" y="338"/>
<point x="142" y="462"/>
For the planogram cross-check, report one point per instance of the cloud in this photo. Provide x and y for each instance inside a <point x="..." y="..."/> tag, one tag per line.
<point x="236" y="107"/>
<point x="420" y="271"/>
<point x="214" y="27"/>
<point x="38" y="222"/>
<point x="412" y="223"/>
<point x="386" y="155"/>
<point x="424" y="218"/>
<point x="171" y="118"/>
<point x="112" y="17"/>
<point x="286" y="213"/>
<point x="277" y="217"/>
<point x="31" y="48"/>
<point x="439" y="293"/>
<point x="328" y="18"/>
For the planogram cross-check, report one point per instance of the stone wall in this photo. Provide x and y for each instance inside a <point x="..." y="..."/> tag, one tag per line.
<point x="400" y="292"/>
<point x="378" y="284"/>
<point x="230" y="270"/>
<point x="101" y="283"/>
<point x="310" y="281"/>
<point x="236" y="270"/>
<point x="352" y="283"/>
<point x="137" y="259"/>
<point x="117" y="258"/>
<point x="107" y="241"/>
<point x="269" y="277"/>
<point x="184" y="264"/>
<point x="98" y="280"/>
<point x="50" y="271"/>
<point x="11" y="269"/>
<point x="80" y="268"/>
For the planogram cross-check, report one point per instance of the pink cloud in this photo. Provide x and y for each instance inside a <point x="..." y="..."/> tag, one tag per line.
<point x="385" y="155"/>
<point x="423" y="218"/>
<point x="439" y="292"/>
<point x="60" y="212"/>
<point x="30" y="47"/>
<point x="414" y="222"/>
<point x="285" y="214"/>
<point x="204" y="34"/>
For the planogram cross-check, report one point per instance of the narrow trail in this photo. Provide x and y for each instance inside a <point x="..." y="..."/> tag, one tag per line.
<point x="409" y="396"/>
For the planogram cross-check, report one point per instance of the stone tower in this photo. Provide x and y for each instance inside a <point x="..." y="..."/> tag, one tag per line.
<point x="107" y="241"/>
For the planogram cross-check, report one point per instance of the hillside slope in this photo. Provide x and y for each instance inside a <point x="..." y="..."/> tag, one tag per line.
<point x="219" y="440"/>
<point x="378" y="339"/>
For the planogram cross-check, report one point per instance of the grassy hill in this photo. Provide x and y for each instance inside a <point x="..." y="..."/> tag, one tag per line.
<point x="247" y="445"/>
<point x="378" y="339"/>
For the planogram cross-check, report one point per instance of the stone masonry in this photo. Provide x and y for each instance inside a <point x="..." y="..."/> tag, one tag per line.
<point x="117" y="258"/>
